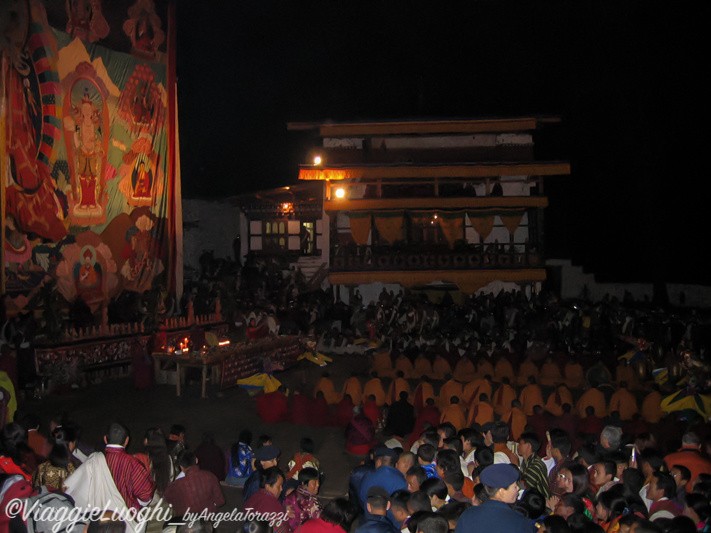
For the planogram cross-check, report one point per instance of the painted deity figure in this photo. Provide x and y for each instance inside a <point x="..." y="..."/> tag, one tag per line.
<point x="142" y="180"/>
<point x="88" y="157"/>
<point x="88" y="277"/>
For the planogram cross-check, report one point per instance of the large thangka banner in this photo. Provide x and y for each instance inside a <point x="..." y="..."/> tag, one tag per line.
<point x="89" y="197"/>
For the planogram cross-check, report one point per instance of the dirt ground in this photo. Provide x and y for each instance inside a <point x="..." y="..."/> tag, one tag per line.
<point x="224" y="413"/>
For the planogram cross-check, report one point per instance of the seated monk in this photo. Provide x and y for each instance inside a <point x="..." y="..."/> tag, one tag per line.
<point x="320" y="415"/>
<point x="454" y="414"/>
<point x="592" y="397"/>
<point x="464" y="370"/>
<point x="371" y="410"/>
<point x="360" y="433"/>
<point x="481" y="412"/>
<point x="561" y="395"/>
<point x="527" y="368"/>
<point x="374" y="387"/>
<point x="449" y="389"/>
<point x="354" y="389"/>
<point x="624" y="402"/>
<point x="301" y="408"/>
<point x="531" y="395"/>
<point x="428" y="415"/>
<point x="484" y="367"/>
<point x="423" y="392"/>
<point x="503" y="397"/>
<point x="625" y="373"/>
<point x="404" y="365"/>
<point x="273" y="407"/>
<point x="504" y="369"/>
<point x="574" y="375"/>
<point x="423" y="367"/>
<point x="398" y="385"/>
<point x="383" y="365"/>
<point x="550" y="374"/>
<point x="344" y="411"/>
<point x="651" y="406"/>
<point x="516" y="420"/>
<point x="475" y="388"/>
<point x="325" y="386"/>
<point x="440" y="368"/>
<point x="591" y="424"/>
<point x="256" y="331"/>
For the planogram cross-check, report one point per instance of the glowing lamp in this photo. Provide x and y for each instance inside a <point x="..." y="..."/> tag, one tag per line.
<point x="317" y="160"/>
<point x="340" y="192"/>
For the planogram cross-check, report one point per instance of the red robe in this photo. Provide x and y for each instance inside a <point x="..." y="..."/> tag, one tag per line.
<point x="301" y="407"/>
<point x="344" y="411"/>
<point x="273" y="407"/>
<point x="371" y="411"/>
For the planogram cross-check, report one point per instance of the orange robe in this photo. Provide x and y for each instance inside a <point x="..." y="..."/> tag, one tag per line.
<point x="472" y="390"/>
<point x="595" y="398"/>
<point x="449" y="389"/>
<point x="354" y="389"/>
<point x="423" y="391"/>
<point x="550" y="375"/>
<point x="517" y="422"/>
<point x="484" y="368"/>
<point x="504" y="369"/>
<point x="325" y="385"/>
<point x="651" y="408"/>
<point x="574" y="375"/>
<point x="423" y="367"/>
<point x="464" y="370"/>
<point x="440" y="368"/>
<point x="454" y="414"/>
<point x="481" y="413"/>
<point x="528" y="368"/>
<point x="404" y="365"/>
<point x="624" y="402"/>
<point x="375" y="387"/>
<point x="530" y="396"/>
<point x="383" y="365"/>
<point x="503" y="397"/>
<point x="561" y="395"/>
<point x="397" y="386"/>
<point x="626" y="373"/>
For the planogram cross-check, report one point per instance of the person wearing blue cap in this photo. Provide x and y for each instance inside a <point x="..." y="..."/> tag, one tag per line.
<point x="385" y="475"/>
<point x="501" y="486"/>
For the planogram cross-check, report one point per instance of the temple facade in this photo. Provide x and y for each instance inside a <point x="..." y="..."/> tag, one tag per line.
<point x="453" y="204"/>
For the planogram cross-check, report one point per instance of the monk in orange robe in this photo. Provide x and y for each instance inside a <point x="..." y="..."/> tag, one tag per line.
<point x="481" y="411"/>
<point x="624" y="402"/>
<point x="504" y="369"/>
<point x="479" y="386"/>
<point x="561" y="395"/>
<point x="383" y="365"/>
<point x="527" y="368"/>
<point x="398" y="385"/>
<point x="354" y="389"/>
<point x="464" y="370"/>
<point x="516" y="420"/>
<point x="530" y="396"/>
<point x="651" y="406"/>
<point x="454" y="414"/>
<point x="484" y="368"/>
<point x="574" y="374"/>
<point x="423" y="392"/>
<point x="550" y="374"/>
<point x="626" y="373"/>
<point x="423" y="367"/>
<point x="325" y="385"/>
<point x="503" y="397"/>
<point x="440" y="368"/>
<point x="595" y="398"/>
<point x="375" y="387"/>
<point x="449" y="389"/>
<point x="404" y="365"/>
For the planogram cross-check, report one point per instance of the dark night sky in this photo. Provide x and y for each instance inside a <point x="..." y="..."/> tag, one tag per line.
<point x="620" y="74"/>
